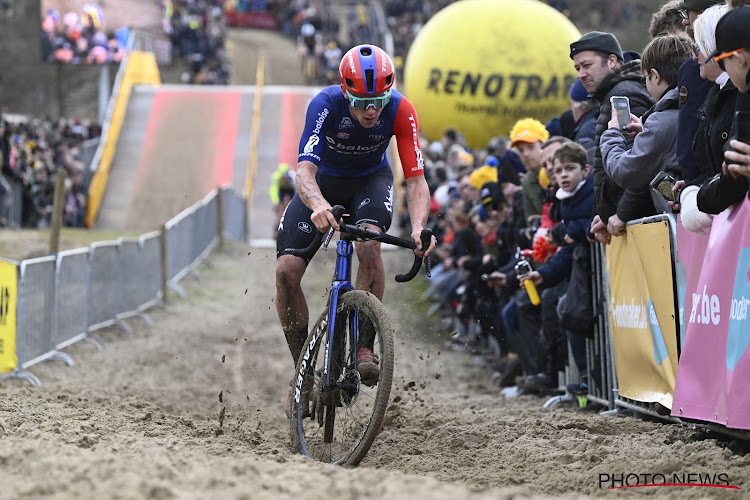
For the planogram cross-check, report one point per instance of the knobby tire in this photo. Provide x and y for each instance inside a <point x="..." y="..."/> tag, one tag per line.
<point x="337" y="433"/>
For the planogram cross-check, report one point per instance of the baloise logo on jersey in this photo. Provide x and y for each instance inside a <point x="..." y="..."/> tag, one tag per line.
<point x="356" y="150"/>
<point x="314" y="139"/>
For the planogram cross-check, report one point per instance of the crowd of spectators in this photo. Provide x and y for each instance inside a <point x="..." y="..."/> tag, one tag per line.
<point x="33" y="152"/>
<point x="196" y="30"/>
<point x="80" y="37"/>
<point x="545" y="193"/>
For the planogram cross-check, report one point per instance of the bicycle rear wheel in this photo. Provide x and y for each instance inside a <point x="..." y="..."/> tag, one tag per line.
<point x="339" y="424"/>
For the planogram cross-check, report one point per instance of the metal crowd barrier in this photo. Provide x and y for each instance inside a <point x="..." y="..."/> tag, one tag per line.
<point x="65" y="298"/>
<point x="11" y="203"/>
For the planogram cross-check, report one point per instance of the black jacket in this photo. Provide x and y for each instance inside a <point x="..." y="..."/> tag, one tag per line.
<point x="716" y="117"/>
<point x="626" y="80"/>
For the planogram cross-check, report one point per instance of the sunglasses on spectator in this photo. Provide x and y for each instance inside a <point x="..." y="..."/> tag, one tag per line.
<point x="696" y="50"/>
<point x="363" y="103"/>
<point x="683" y="13"/>
<point x="720" y="58"/>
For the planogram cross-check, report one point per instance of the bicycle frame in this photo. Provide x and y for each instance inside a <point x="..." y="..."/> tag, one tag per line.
<point x="341" y="283"/>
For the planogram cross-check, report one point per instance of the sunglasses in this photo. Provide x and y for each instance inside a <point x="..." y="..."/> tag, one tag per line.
<point x="363" y="103"/>
<point x="683" y="13"/>
<point x="696" y="50"/>
<point x="720" y="58"/>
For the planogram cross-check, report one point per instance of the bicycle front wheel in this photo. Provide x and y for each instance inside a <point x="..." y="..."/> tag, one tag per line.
<point x="338" y="424"/>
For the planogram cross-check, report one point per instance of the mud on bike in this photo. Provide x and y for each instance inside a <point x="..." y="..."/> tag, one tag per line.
<point x="335" y="414"/>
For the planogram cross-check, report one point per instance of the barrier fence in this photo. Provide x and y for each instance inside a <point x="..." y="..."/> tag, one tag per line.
<point x="49" y="303"/>
<point x="673" y="328"/>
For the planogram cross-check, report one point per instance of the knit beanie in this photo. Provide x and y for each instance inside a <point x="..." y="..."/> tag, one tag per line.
<point x="598" y="41"/>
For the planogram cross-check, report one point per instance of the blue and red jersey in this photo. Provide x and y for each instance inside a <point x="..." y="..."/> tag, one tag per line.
<point x="340" y="147"/>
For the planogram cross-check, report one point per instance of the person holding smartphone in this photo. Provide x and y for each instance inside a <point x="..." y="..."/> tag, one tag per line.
<point x="655" y="143"/>
<point x="732" y="47"/>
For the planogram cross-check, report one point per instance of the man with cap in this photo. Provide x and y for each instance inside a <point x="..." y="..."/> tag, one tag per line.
<point x="601" y="68"/>
<point x="528" y="135"/>
<point x="693" y="92"/>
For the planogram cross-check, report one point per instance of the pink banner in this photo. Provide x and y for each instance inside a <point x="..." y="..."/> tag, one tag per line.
<point x="713" y="370"/>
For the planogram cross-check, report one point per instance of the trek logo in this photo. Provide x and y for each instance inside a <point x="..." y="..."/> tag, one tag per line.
<point x="415" y="138"/>
<point x="346" y="122"/>
<point x="351" y="63"/>
<point x="304" y="227"/>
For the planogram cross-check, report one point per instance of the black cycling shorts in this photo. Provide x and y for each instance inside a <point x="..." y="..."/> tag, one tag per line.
<point x="367" y="199"/>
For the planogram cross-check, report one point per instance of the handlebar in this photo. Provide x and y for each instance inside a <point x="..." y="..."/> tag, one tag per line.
<point x="364" y="234"/>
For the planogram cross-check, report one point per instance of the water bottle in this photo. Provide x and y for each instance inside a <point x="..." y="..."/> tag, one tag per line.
<point x="523" y="268"/>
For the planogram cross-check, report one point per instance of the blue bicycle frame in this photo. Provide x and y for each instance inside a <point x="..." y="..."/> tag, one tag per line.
<point x="341" y="284"/>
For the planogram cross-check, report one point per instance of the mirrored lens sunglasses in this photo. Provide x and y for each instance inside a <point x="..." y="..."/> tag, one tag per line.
<point x="363" y="103"/>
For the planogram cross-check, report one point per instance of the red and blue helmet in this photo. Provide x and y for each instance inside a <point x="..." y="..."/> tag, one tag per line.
<point x="366" y="70"/>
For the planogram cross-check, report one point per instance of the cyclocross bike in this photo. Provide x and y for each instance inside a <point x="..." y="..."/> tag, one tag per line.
<point x="335" y="415"/>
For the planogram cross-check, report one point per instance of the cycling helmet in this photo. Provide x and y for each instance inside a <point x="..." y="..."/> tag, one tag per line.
<point x="307" y="30"/>
<point x="366" y="70"/>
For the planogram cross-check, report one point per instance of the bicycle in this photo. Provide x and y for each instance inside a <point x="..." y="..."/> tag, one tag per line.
<point x="335" y="415"/>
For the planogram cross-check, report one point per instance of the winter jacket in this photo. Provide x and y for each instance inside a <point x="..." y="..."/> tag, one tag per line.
<point x="626" y="80"/>
<point x="654" y="150"/>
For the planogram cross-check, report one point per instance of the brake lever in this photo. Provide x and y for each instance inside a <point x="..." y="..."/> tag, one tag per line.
<point x="338" y="212"/>
<point x="426" y="237"/>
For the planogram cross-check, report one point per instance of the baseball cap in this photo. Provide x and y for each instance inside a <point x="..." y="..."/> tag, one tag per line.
<point x="698" y="5"/>
<point x="528" y="130"/>
<point x="732" y="31"/>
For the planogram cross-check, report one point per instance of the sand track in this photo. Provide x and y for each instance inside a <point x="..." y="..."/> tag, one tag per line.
<point x="191" y="407"/>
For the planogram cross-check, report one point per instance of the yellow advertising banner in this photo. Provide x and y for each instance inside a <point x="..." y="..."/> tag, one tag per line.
<point x="8" y="301"/>
<point x="642" y="313"/>
<point x="141" y="68"/>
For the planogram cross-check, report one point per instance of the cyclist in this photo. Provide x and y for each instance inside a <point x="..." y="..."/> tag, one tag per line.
<point x="310" y="49"/>
<point x="342" y="160"/>
<point x="281" y="190"/>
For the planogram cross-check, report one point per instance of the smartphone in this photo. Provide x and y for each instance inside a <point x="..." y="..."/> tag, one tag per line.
<point x="663" y="183"/>
<point x="742" y="126"/>
<point x="621" y="106"/>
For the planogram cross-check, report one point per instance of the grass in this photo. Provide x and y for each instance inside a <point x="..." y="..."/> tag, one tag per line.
<point x="20" y="244"/>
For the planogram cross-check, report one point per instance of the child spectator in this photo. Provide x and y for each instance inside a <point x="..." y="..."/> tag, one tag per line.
<point x="576" y="195"/>
<point x="654" y="147"/>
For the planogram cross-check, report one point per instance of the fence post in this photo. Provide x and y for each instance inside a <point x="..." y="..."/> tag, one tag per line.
<point x="220" y="217"/>
<point x="57" y="211"/>
<point x="164" y="267"/>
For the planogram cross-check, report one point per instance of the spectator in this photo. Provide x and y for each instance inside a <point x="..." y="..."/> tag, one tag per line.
<point x="576" y="195"/>
<point x="731" y="37"/>
<point x="527" y="135"/>
<point x="711" y="192"/>
<point x="694" y="88"/>
<point x="667" y="20"/>
<point x="598" y="59"/>
<point x="654" y="147"/>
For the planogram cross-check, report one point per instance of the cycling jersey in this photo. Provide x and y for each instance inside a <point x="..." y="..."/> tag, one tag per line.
<point x="340" y="147"/>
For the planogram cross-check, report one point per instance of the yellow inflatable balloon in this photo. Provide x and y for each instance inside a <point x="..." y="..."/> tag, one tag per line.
<point x="480" y="65"/>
